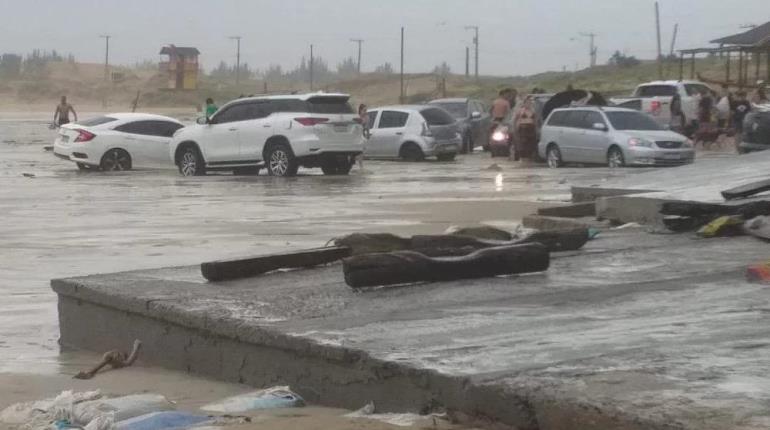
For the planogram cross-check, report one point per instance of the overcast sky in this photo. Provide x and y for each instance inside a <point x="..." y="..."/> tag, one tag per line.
<point x="517" y="36"/>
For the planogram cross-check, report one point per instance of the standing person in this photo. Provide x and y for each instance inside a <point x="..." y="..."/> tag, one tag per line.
<point x="740" y="108"/>
<point x="759" y="97"/>
<point x="707" y="131"/>
<point x="501" y="107"/>
<point x="363" y="118"/>
<point x="677" y="115"/>
<point x="723" y="108"/>
<point x="211" y="108"/>
<point x="61" y="115"/>
<point x="525" y="125"/>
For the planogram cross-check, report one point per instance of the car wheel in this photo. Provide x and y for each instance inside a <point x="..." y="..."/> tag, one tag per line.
<point x="446" y="157"/>
<point x="281" y="161"/>
<point x="553" y="157"/>
<point x="615" y="157"/>
<point x="115" y="160"/>
<point x="412" y="152"/>
<point x="191" y="162"/>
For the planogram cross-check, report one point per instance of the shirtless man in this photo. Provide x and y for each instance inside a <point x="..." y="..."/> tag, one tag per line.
<point x="501" y="107"/>
<point x="61" y="115"/>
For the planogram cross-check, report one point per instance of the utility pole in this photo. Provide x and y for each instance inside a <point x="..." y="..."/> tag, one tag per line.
<point x="467" y="62"/>
<point x="311" y="67"/>
<point x="106" y="38"/>
<point x="657" y="32"/>
<point x="237" y="59"/>
<point x="673" y="39"/>
<point x="591" y="47"/>
<point x="359" y="41"/>
<point x="475" y="28"/>
<point x="401" y="98"/>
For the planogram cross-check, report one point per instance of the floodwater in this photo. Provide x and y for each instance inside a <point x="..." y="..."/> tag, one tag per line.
<point x="59" y="222"/>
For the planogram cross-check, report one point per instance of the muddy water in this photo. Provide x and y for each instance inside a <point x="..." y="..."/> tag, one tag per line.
<point x="62" y="222"/>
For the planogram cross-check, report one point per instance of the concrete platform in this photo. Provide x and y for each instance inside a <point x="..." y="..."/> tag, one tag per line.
<point x="637" y="331"/>
<point x="637" y="198"/>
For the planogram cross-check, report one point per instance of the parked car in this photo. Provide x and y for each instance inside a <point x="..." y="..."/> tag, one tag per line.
<point x="655" y="97"/>
<point x="756" y="131"/>
<point x="281" y="133"/>
<point x="613" y="136"/>
<point x="412" y="133"/>
<point x="118" y="141"/>
<point x="473" y="117"/>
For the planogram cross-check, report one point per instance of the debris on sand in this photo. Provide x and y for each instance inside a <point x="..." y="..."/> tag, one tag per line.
<point x="28" y="175"/>
<point x="400" y="420"/>
<point x="269" y="398"/>
<point x="480" y="232"/>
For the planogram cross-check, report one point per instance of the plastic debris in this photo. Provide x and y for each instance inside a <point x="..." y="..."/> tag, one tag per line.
<point x="122" y="408"/>
<point x="270" y="398"/>
<point x="593" y="232"/>
<point x="628" y="225"/>
<point x="759" y="273"/>
<point x="162" y="420"/>
<point x="39" y="414"/>
<point x="723" y="226"/>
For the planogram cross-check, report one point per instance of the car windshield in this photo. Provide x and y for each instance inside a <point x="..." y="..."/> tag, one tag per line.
<point x="330" y="104"/>
<point x="632" y="121"/>
<point x="457" y="109"/>
<point x="99" y="120"/>
<point x="655" y="90"/>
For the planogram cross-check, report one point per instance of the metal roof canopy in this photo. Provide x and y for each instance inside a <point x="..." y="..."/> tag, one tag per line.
<point x="179" y="50"/>
<point x="759" y="35"/>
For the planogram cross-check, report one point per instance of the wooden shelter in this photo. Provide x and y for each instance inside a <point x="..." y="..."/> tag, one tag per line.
<point x="749" y="47"/>
<point x="180" y="67"/>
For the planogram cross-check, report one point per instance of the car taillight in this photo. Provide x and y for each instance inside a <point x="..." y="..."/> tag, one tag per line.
<point x="84" y="136"/>
<point x="655" y="106"/>
<point x="308" y="121"/>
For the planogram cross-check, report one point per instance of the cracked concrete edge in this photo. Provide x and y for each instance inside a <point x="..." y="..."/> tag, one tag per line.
<point x="626" y="209"/>
<point x="589" y="194"/>
<point x="331" y="375"/>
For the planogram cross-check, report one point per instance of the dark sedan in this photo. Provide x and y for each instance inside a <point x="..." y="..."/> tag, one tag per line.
<point x="473" y="118"/>
<point x="756" y="132"/>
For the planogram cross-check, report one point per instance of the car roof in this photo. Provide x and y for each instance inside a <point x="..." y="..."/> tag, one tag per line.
<point x="597" y="109"/>
<point x="134" y="116"/>
<point x="451" y="100"/>
<point x="405" y="107"/>
<point x="303" y="97"/>
<point x="672" y="82"/>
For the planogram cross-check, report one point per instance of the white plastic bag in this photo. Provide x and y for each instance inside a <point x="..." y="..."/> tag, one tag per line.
<point x="122" y="408"/>
<point x="270" y="398"/>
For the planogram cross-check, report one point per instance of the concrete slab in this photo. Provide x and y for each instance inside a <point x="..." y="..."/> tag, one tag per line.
<point x="575" y="210"/>
<point x="637" y="331"/>
<point x="550" y="223"/>
<point x="701" y="181"/>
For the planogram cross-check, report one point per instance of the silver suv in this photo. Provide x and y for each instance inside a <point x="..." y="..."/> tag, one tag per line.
<point x="613" y="136"/>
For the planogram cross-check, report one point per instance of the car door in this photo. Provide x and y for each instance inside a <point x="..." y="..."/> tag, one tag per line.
<point x="385" y="139"/>
<point x="220" y="140"/>
<point x="593" y="143"/>
<point x="480" y="125"/>
<point x="569" y="135"/>
<point x="254" y="131"/>
<point x="147" y="141"/>
<point x="371" y="122"/>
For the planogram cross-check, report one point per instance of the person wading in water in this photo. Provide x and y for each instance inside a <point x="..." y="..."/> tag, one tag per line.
<point x="61" y="115"/>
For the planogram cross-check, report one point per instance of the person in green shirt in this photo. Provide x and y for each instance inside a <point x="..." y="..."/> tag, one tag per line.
<point x="211" y="108"/>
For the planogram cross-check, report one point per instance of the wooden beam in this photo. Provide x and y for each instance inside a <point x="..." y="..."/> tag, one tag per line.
<point x="692" y="66"/>
<point x="225" y="270"/>
<point x="757" y="62"/>
<point x="681" y="66"/>
<point x="727" y="68"/>
<point x="740" y="69"/>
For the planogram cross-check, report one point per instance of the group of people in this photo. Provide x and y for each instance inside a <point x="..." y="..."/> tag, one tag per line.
<point x="522" y="117"/>
<point x="718" y="114"/>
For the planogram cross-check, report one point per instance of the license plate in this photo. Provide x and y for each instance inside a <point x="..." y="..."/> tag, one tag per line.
<point x="672" y="156"/>
<point x="340" y="128"/>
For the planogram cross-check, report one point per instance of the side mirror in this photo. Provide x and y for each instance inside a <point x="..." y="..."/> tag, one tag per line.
<point x="202" y="120"/>
<point x="599" y="126"/>
<point x="475" y="115"/>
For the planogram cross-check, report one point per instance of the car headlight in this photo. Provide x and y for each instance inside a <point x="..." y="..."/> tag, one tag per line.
<point x="498" y="136"/>
<point x="635" y="141"/>
<point x="688" y="144"/>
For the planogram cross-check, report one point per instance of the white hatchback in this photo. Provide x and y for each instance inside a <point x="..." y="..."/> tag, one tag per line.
<point x="280" y="133"/>
<point x="118" y="141"/>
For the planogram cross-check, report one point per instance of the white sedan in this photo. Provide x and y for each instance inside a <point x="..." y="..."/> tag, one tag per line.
<point x="119" y="141"/>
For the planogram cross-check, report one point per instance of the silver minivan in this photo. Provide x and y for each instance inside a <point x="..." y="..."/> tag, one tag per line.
<point x="412" y="133"/>
<point x="612" y="136"/>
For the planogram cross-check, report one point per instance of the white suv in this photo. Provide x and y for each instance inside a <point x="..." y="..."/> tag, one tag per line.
<point x="280" y="133"/>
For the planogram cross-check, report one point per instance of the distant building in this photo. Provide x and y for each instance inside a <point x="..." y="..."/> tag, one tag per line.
<point x="180" y="67"/>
